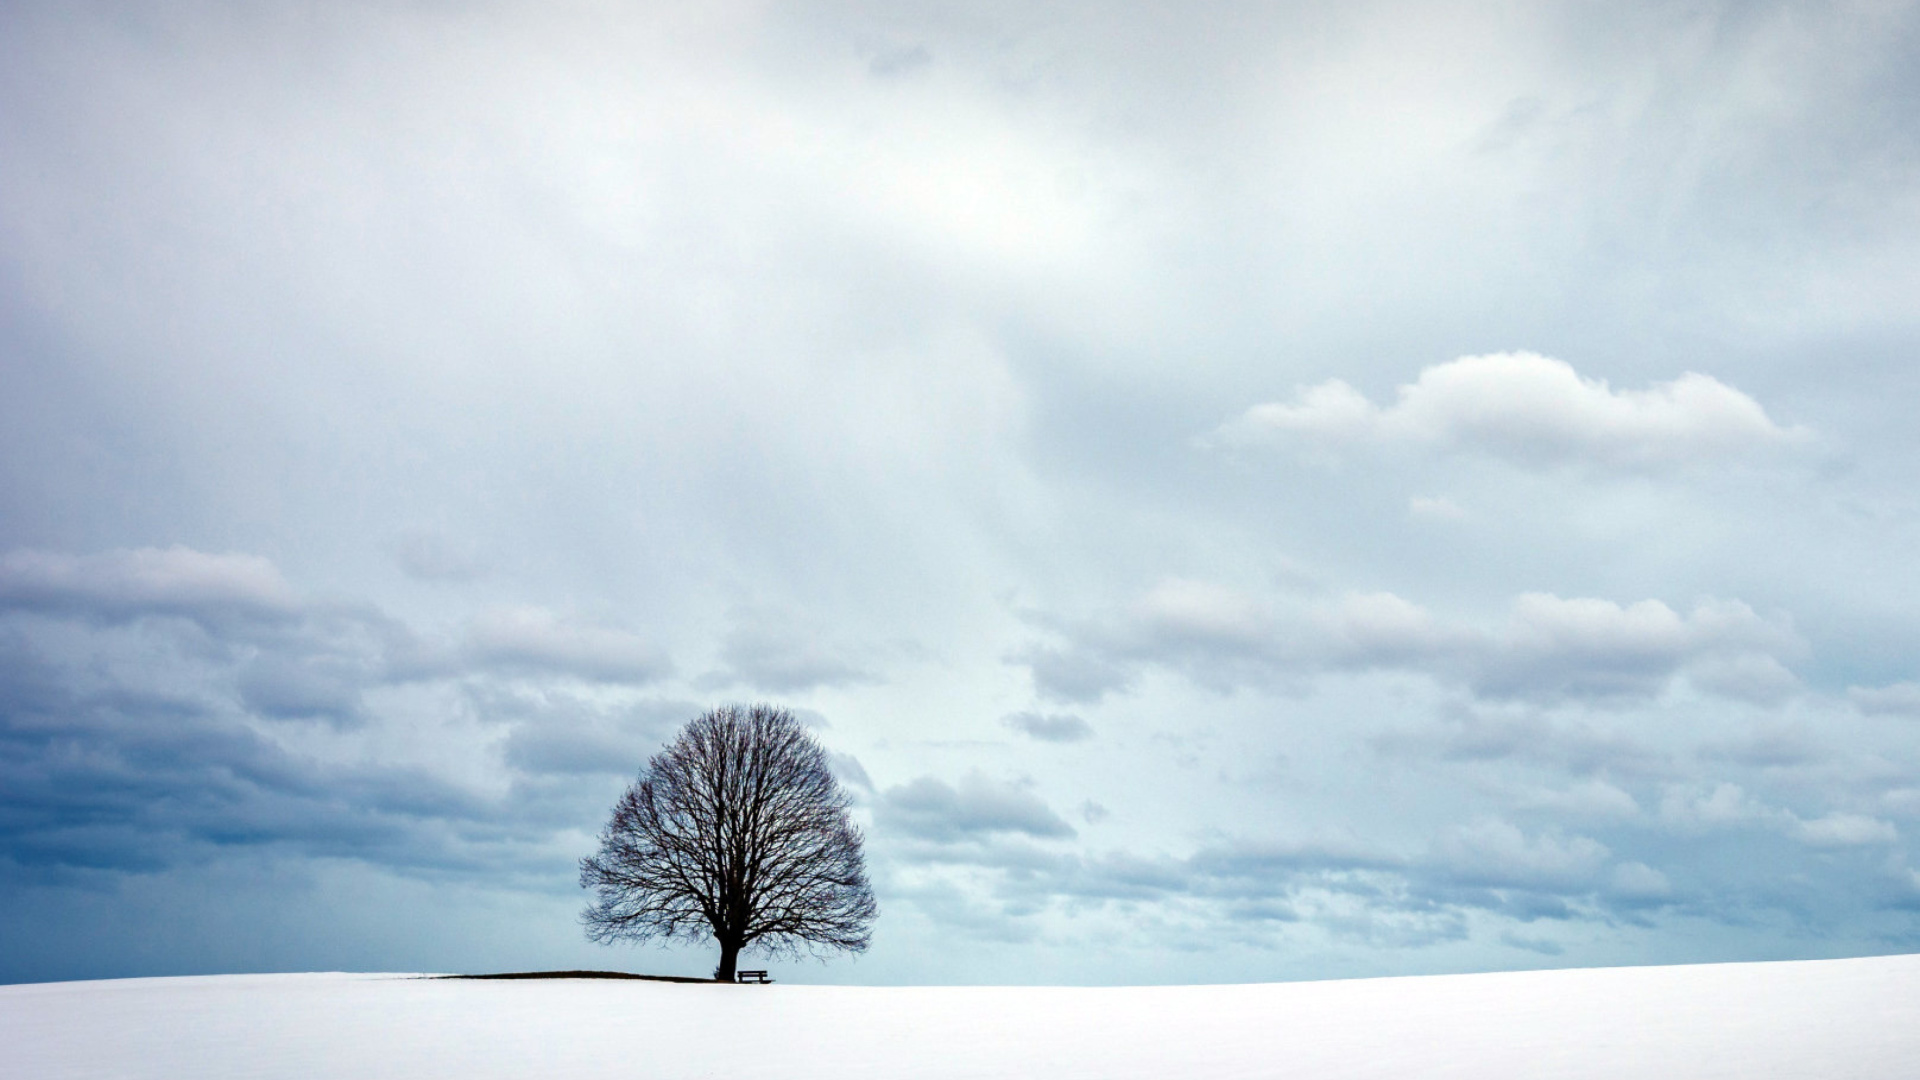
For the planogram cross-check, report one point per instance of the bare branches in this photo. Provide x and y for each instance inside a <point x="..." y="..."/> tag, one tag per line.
<point x="736" y="830"/>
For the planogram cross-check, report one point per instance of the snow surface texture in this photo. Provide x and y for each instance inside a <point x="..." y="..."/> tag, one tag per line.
<point x="1831" y="1019"/>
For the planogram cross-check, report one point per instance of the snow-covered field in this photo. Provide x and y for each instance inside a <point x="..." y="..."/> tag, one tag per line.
<point x="1828" y="1019"/>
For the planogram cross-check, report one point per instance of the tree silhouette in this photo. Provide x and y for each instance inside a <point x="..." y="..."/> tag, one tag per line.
<point x="737" y="830"/>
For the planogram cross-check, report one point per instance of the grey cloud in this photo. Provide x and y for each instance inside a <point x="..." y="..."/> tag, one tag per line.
<point x="1548" y="647"/>
<point x="134" y="744"/>
<point x="431" y="556"/>
<point x="1072" y="674"/>
<point x="931" y="809"/>
<point x="903" y="60"/>
<point x="1348" y="889"/>
<point x="1050" y="727"/>
<point x="779" y="658"/>
<point x="1577" y="745"/>
<point x="305" y="687"/>
<point x="848" y="770"/>
<point x="1591" y="647"/>
<point x="1897" y="699"/>
<point x="558" y="733"/>
<point x="537" y="640"/>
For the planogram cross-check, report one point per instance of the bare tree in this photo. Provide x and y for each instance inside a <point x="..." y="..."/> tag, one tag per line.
<point x="737" y="830"/>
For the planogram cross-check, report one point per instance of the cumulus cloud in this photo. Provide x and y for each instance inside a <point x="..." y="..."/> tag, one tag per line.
<point x="1724" y="804"/>
<point x="1585" y="646"/>
<point x="1727" y="805"/>
<point x="1839" y="829"/>
<point x="537" y="640"/>
<point x="1493" y="852"/>
<point x="1529" y="409"/>
<point x="1636" y="882"/>
<point x="1381" y="629"/>
<point x="978" y="807"/>
<point x="144" y="581"/>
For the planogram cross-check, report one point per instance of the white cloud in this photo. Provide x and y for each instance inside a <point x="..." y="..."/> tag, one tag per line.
<point x="537" y="639"/>
<point x="1380" y="628"/>
<point x="1547" y="647"/>
<point x="1724" y="805"/>
<point x="1845" y="830"/>
<point x="1589" y="798"/>
<point x="1530" y="409"/>
<point x="1495" y="852"/>
<point x="1728" y="806"/>
<point x="1585" y="645"/>
<point x="1198" y="611"/>
<point x="118" y="584"/>
<point x="1638" y="881"/>
<point x="1435" y="508"/>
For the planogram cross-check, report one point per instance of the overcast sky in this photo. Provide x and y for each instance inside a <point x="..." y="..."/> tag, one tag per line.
<point x="1255" y="492"/>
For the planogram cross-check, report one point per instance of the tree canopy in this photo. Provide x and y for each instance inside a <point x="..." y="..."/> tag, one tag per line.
<point x="737" y="830"/>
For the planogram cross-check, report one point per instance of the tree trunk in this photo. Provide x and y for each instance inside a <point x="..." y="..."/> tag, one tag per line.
<point x="729" y="957"/>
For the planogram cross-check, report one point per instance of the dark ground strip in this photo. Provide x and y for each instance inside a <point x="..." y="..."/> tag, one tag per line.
<point x="579" y="975"/>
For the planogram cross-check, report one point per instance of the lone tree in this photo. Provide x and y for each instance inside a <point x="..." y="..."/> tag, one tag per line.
<point x="738" y="830"/>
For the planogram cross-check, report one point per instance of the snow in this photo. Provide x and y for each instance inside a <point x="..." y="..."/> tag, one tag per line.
<point x="1832" y="1019"/>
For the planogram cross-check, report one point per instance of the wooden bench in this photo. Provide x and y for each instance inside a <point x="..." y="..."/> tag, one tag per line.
<point x="751" y="977"/>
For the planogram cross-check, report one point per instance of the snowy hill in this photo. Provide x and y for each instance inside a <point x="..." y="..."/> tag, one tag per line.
<point x="1828" y="1019"/>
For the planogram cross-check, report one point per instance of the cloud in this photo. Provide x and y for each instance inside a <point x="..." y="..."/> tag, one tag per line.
<point x="1203" y="614"/>
<point x="133" y="744"/>
<point x="1381" y="629"/>
<point x="1435" y="508"/>
<point x="1727" y="805"/>
<point x="1592" y="798"/>
<point x="1495" y="853"/>
<point x="1845" y="830"/>
<point x="1723" y="805"/>
<point x="1074" y="674"/>
<point x="559" y="733"/>
<point x="430" y="556"/>
<point x="1636" y="882"/>
<point x="848" y="770"/>
<point x="1897" y="699"/>
<point x="1547" y="648"/>
<point x="779" y="657"/>
<point x="140" y="773"/>
<point x="304" y="687"/>
<point x="1049" y="727"/>
<point x="1528" y="409"/>
<point x="1592" y="647"/>
<point x="536" y="640"/>
<point x="144" y="581"/>
<point x="930" y="809"/>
